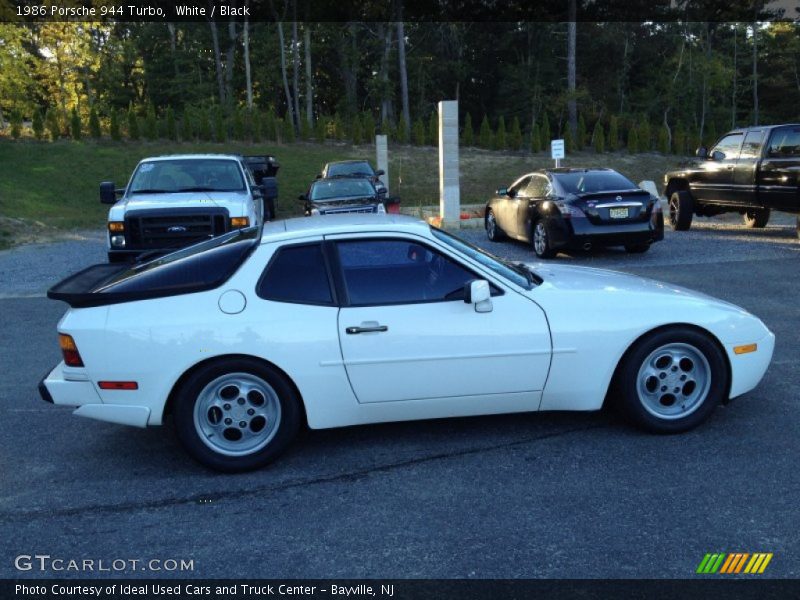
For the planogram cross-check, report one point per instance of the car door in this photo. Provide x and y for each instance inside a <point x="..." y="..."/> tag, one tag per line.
<point x="745" y="171"/>
<point x="778" y="174"/>
<point x="509" y="204"/>
<point x="535" y="193"/>
<point x="715" y="184"/>
<point x="407" y="335"/>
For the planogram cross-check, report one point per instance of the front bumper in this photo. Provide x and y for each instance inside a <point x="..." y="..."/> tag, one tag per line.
<point x="66" y="389"/>
<point x="579" y="231"/>
<point x="747" y="370"/>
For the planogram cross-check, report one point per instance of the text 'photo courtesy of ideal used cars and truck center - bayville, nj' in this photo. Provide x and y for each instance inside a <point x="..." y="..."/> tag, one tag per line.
<point x="399" y="300"/>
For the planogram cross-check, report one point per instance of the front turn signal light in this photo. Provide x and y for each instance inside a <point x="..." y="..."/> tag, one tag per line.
<point x="69" y="350"/>
<point x="116" y="226"/>
<point x="745" y="349"/>
<point x="239" y="222"/>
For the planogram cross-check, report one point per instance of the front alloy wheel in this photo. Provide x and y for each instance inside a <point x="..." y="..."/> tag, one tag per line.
<point x="493" y="232"/>
<point x="671" y="380"/>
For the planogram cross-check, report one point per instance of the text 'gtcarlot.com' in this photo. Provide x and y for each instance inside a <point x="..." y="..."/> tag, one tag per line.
<point x="46" y="562"/>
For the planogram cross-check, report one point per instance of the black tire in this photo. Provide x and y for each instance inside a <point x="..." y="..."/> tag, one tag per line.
<point x="213" y="381"/>
<point x="493" y="231"/>
<point x="637" y="248"/>
<point x="681" y="207"/>
<point x="756" y="218"/>
<point x="651" y="403"/>
<point x="540" y="240"/>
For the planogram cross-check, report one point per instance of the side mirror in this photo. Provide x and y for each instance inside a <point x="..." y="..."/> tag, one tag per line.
<point x="108" y="194"/>
<point x="502" y="191"/>
<point x="701" y="152"/>
<point x="380" y="172"/>
<point x="302" y="197"/>
<point x="478" y="293"/>
<point x="717" y="155"/>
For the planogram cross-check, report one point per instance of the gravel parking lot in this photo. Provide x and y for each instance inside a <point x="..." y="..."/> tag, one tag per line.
<point x="537" y="495"/>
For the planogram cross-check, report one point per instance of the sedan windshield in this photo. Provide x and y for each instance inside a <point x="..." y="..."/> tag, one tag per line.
<point x="589" y="182"/>
<point x="350" y="168"/>
<point x="341" y="188"/>
<point x="187" y="175"/>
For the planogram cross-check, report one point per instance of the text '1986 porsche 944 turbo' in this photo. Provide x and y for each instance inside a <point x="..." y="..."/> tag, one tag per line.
<point x="354" y="319"/>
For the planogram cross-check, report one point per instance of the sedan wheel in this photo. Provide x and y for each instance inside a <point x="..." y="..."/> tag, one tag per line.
<point x="671" y="381"/>
<point x="493" y="232"/>
<point x="541" y="241"/>
<point x="756" y="218"/>
<point x="236" y="415"/>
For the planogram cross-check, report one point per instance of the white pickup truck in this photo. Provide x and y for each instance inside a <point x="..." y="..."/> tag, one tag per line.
<point x="173" y="201"/>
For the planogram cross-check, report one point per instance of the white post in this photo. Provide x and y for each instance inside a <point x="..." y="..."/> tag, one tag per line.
<point x="382" y="158"/>
<point x="449" y="190"/>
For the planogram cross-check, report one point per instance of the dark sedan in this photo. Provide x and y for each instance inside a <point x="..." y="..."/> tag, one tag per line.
<point x="342" y="195"/>
<point x="555" y="209"/>
<point x="354" y="168"/>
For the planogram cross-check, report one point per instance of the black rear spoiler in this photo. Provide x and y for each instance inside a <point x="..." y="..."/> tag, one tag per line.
<point x="78" y="290"/>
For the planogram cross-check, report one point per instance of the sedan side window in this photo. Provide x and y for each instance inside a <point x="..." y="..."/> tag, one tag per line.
<point x="296" y="274"/>
<point x="518" y="189"/>
<point x="537" y="188"/>
<point x="399" y="272"/>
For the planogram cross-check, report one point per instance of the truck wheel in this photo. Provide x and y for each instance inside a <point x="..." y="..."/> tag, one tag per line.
<point x="756" y="218"/>
<point x="680" y="210"/>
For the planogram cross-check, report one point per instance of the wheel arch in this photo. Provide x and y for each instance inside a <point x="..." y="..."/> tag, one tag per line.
<point x="204" y="363"/>
<point x="676" y="184"/>
<point x="702" y="330"/>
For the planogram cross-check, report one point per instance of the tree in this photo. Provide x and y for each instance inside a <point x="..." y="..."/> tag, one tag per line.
<point x="580" y="140"/>
<point x="419" y="132"/>
<point x="133" y="124"/>
<point x="53" y="126"/>
<point x="485" y="135"/>
<point x="150" y="123"/>
<point x="204" y="127"/>
<point x="238" y="125"/>
<point x="546" y="133"/>
<point x="500" y="141"/>
<point x="256" y="124"/>
<point x="572" y="106"/>
<point x="663" y="140"/>
<point x="569" y="139"/>
<point x="75" y="125"/>
<point x="613" y="134"/>
<point x="402" y="132"/>
<point x="433" y="129"/>
<point x="645" y="136"/>
<point x="309" y="77"/>
<point x="468" y="135"/>
<point x="357" y="132"/>
<point x="172" y="127"/>
<point x="270" y="126"/>
<point x="113" y="127"/>
<point x="536" y="139"/>
<point x="321" y="128"/>
<point x="515" y="137"/>
<point x="94" y="124"/>
<point x="288" y="129"/>
<point x="16" y="124"/>
<point x="401" y="61"/>
<point x="38" y="124"/>
<point x="369" y="127"/>
<point x="633" y="140"/>
<point x="220" y="129"/>
<point x="599" y="137"/>
<point x="305" y="130"/>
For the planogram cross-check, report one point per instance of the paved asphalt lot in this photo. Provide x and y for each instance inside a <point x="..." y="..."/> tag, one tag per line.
<point x="535" y="495"/>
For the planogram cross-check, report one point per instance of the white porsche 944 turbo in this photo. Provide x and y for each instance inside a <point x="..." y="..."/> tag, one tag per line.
<point x="354" y="319"/>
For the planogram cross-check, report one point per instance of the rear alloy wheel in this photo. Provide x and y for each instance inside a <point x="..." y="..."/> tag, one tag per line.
<point x="637" y="248"/>
<point x="541" y="240"/>
<point x="236" y="415"/>
<point x="756" y="218"/>
<point x="493" y="232"/>
<point x="680" y="210"/>
<point x="671" y="381"/>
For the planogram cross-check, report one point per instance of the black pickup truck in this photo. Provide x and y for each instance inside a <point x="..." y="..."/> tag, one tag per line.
<point x="751" y="171"/>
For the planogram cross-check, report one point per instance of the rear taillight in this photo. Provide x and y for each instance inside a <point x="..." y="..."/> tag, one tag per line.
<point x="72" y="357"/>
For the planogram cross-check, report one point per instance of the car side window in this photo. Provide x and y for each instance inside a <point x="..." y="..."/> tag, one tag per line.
<point x="751" y="148"/>
<point x="785" y="142"/>
<point x="296" y="274"/>
<point x="729" y="145"/>
<point x="382" y="271"/>
<point x="518" y="188"/>
<point x="537" y="188"/>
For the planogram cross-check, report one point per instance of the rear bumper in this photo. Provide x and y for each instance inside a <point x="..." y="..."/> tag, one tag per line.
<point x="578" y="232"/>
<point x="56" y="388"/>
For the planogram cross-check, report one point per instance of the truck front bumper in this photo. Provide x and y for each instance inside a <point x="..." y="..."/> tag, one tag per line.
<point x="57" y="388"/>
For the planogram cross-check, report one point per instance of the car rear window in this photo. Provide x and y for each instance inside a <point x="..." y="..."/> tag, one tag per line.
<point x="297" y="274"/>
<point x="587" y="182"/>
<point x="785" y="142"/>
<point x="202" y="266"/>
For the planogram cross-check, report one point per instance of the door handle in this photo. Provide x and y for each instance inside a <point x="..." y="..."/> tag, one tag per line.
<point x="372" y="329"/>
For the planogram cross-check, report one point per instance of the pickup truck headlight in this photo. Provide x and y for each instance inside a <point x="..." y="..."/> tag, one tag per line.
<point x="239" y="222"/>
<point x="118" y="241"/>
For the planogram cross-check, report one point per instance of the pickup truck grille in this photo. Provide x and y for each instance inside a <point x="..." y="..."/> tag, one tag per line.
<point x="161" y="231"/>
<point x="349" y="209"/>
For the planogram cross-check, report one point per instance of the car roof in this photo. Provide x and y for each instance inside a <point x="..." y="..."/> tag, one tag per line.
<point x="191" y="156"/>
<point x="351" y="160"/>
<point x="300" y="227"/>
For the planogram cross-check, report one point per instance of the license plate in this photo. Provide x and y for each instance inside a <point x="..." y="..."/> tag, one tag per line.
<point x="618" y="213"/>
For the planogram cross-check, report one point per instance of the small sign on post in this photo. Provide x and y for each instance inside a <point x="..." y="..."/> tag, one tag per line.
<point x="557" y="151"/>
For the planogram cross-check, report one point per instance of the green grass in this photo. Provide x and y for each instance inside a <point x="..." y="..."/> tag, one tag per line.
<point x="57" y="183"/>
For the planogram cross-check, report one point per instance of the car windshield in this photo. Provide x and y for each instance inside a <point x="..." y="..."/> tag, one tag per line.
<point x="514" y="272"/>
<point x="589" y="182"/>
<point x="341" y="188"/>
<point x="350" y="168"/>
<point x="187" y="175"/>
